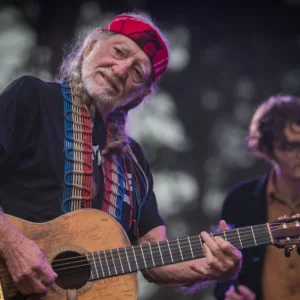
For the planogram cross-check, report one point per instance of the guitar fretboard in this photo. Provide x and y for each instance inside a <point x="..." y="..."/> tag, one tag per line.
<point x="136" y="258"/>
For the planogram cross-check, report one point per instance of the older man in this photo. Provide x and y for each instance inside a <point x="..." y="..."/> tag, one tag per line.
<point x="64" y="147"/>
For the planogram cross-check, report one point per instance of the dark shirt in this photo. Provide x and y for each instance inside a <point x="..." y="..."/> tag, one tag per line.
<point x="32" y="160"/>
<point x="246" y="205"/>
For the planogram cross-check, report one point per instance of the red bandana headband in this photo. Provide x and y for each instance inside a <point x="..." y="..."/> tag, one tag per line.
<point x="148" y="39"/>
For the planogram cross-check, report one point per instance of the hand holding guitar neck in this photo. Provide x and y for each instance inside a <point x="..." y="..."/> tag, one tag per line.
<point x="222" y="259"/>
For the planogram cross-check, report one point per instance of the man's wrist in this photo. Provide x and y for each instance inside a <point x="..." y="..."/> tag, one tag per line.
<point x="8" y="233"/>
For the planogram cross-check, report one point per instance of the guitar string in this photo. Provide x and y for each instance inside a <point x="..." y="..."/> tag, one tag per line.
<point x="186" y="240"/>
<point x="184" y="244"/>
<point x="12" y="288"/>
<point x="114" y="254"/>
<point x="177" y="258"/>
<point x="137" y="257"/>
<point x="174" y="257"/>
<point x="156" y="256"/>
<point x="153" y="253"/>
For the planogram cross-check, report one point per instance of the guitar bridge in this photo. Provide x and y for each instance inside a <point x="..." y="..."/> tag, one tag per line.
<point x="71" y="295"/>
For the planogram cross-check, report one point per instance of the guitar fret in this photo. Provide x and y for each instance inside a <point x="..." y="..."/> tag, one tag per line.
<point x="95" y="266"/>
<point x="197" y="247"/>
<point x="91" y="264"/>
<point x="239" y="237"/>
<point x="124" y="260"/>
<point x="127" y="259"/>
<point x="170" y="251"/>
<point x="191" y="247"/>
<point x="113" y="261"/>
<point x="151" y="254"/>
<point x="253" y="236"/>
<point x="120" y="261"/>
<point x="157" y="255"/>
<point x="224" y="233"/>
<point x="139" y="258"/>
<point x="143" y="257"/>
<point x="262" y="234"/>
<point x="162" y="260"/>
<point x="137" y="266"/>
<point x="107" y="263"/>
<point x="201" y="244"/>
<point x="180" y="249"/>
<point x="99" y="258"/>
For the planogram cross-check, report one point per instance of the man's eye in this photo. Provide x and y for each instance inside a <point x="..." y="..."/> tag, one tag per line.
<point x="118" y="51"/>
<point x="139" y="74"/>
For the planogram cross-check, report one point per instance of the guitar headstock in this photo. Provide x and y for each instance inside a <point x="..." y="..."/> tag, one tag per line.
<point x="285" y="232"/>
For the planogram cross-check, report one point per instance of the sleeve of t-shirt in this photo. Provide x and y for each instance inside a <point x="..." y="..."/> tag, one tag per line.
<point x="150" y="217"/>
<point x="16" y="113"/>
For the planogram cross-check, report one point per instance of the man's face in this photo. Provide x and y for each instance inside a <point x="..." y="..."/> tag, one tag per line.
<point x="115" y="71"/>
<point x="287" y="153"/>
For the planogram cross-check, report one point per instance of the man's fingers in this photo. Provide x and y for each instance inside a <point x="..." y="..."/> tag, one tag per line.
<point x="31" y="285"/>
<point x="212" y="261"/>
<point x="246" y="292"/>
<point x="234" y="296"/>
<point x="231" y="294"/>
<point x="213" y="246"/>
<point x="46" y="273"/>
<point x="230" y="254"/>
<point x="23" y="287"/>
<point x="223" y="225"/>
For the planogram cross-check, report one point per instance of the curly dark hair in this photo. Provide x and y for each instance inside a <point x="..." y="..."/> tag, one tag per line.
<point x="268" y="123"/>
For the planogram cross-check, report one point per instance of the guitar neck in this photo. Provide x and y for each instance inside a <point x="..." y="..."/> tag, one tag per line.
<point x="136" y="258"/>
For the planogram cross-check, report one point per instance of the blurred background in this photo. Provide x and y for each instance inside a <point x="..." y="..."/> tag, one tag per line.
<point x="226" y="57"/>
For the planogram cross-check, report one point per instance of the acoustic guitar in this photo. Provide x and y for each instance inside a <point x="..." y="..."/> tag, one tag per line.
<point x="93" y="258"/>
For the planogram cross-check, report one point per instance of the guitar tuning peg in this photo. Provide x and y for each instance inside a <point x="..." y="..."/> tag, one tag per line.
<point x="288" y="250"/>
<point x="296" y="216"/>
<point x="283" y="217"/>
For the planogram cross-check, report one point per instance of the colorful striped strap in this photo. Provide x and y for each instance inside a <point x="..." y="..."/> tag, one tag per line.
<point x="78" y="169"/>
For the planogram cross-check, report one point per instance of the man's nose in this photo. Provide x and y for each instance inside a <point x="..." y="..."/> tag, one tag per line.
<point x="121" y="70"/>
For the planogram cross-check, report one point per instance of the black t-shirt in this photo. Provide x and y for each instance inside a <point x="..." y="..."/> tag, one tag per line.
<point x="32" y="160"/>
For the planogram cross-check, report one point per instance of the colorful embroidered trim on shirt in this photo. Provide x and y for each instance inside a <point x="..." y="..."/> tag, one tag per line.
<point x="120" y="174"/>
<point x="78" y="170"/>
<point x="114" y="191"/>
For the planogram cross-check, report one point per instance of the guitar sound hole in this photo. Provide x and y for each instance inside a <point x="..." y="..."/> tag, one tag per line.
<point x="72" y="268"/>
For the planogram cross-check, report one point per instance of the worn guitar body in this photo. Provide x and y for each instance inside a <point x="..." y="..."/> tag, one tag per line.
<point x="80" y="231"/>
